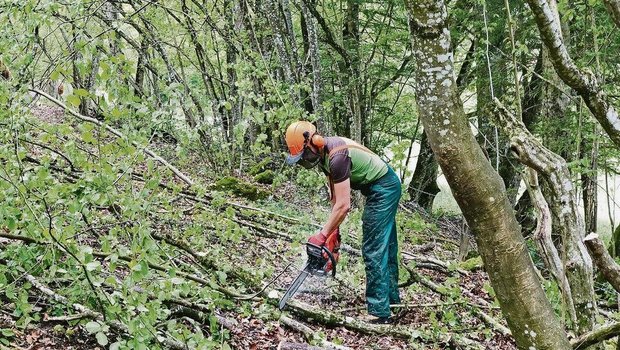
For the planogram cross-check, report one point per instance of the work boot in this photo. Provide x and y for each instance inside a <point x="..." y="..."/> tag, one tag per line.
<point x="375" y="320"/>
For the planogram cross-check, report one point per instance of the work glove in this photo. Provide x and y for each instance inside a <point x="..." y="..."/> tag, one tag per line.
<point x="332" y="243"/>
<point x="318" y="239"/>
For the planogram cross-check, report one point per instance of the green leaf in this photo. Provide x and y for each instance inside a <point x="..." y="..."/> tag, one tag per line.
<point x="92" y="266"/>
<point x="93" y="327"/>
<point x="74" y="100"/>
<point x="7" y="332"/>
<point x="116" y="113"/>
<point x="55" y="75"/>
<point x="81" y="92"/>
<point x="102" y="339"/>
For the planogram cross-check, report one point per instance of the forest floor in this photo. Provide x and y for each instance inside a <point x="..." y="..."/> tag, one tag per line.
<point x="446" y="302"/>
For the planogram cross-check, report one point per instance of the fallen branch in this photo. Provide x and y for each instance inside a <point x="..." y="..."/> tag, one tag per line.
<point x="201" y="316"/>
<point x="68" y="318"/>
<point x="309" y="334"/>
<point x="285" y="345"/>
<point x="603" y="261"/>
<point x="201" y="258"/>
<point x="406" y="306"/>
<point x="331" y="319"/>
<point x="596" y="336"/>
<point x="476" y="308"/>
<point x="116" y="325"/>
<point x="430" y="260"/>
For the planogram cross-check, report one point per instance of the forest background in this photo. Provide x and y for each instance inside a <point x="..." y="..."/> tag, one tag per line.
<point x="145" y="202"/>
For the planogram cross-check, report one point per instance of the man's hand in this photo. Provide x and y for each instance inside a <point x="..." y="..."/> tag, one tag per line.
<point x="333" y="245"/>
<point x="318" y="239"/>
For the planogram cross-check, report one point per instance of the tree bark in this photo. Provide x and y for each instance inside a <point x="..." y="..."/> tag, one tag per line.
<point x="477" y="188"/>
<point x="563" y="204"/>
<point x="139" y="79"/>
<point x="544" y="242"/>
<point x="589" y="184"/>
<point x="596" y="336"/>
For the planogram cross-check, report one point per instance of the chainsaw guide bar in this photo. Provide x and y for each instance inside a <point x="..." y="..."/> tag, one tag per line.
<point x="318" y="260"/>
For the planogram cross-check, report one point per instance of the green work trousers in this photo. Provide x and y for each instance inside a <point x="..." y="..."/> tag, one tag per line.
<point x="379" y="244"/>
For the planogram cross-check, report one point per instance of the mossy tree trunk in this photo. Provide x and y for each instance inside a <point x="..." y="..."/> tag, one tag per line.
<point x="477" y="188"/>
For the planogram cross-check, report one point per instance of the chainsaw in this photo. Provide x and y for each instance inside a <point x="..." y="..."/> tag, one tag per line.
<point x="321" y="261"/>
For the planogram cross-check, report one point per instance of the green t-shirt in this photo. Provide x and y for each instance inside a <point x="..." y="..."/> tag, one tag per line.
<point x="361" y="166"/>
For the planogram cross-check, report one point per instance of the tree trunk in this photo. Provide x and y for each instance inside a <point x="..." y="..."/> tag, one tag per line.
<point x="589" y="184"/>
<point x="544" y="242"/>
<point x="139" y="80"/>
<point x="351" y="71"/>
<point x="423" y="186"/>
<point x="477" y="188"/>
<point x="277" y="30"/>
<point x="563" y="204"/>
<point x="312" y="45"/>
<point x="614" y="247"/>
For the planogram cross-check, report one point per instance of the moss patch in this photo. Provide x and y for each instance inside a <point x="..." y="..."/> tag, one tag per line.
<point x="240" y="188"/>
<point x="260" y="167"/>
<point x="472" y="264"/>
<point x="266" y="177"/>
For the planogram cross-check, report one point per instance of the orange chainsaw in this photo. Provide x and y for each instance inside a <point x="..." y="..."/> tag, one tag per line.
<point x="321" y="260"/>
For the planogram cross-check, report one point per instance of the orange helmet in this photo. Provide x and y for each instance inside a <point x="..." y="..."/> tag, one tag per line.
<point x="297" y="136"/>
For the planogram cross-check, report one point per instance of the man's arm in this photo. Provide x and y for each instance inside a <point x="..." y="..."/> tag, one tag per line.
<point x="332" y="197"/>
<point x="341" y="203"/>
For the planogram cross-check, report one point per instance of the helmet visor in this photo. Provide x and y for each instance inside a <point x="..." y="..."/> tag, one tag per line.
<point x="292" y="159"/>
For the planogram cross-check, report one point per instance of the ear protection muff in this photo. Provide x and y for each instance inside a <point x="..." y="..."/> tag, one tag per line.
<point x="316" y="139"/>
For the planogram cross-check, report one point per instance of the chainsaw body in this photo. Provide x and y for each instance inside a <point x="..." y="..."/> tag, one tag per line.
<point x="321" y="261"/>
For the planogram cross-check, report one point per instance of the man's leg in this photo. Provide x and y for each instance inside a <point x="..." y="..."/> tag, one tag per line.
<point x="393" y="266"/>
<point x="375" y="252"/>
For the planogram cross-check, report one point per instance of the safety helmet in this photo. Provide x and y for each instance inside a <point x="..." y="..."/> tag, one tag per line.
<point x="297" y="136"/>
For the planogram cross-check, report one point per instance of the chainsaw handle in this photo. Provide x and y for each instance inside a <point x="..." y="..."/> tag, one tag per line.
<point x="331" y="258"/>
